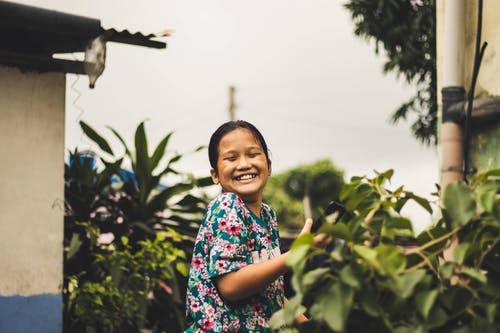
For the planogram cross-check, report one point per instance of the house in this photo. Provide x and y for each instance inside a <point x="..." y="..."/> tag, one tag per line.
<point x="32" y="113"/>
<point x="458" y="36"/>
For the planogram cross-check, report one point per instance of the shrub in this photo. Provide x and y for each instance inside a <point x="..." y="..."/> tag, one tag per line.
<point x="127" y="237"/>
<point x="376" y="277"/>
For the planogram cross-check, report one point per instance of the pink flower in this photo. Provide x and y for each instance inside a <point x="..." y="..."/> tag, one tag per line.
<point x="160" y="214"/>
<point x="207" y="324"/>
<point x="257" y="308"/>
<point x="102" y="209"/>
<point x="268" y="238"/>
<point x="250" y="244"/>
<point x="221" y="265"/>
<point x="210" y="237"/>
<point x="106" y="238"/>
<point x="222" y="224"/>
<point x="197" y="262"/>
<point x="119" y="219"/>
<point x="195" y="306"/>
<point x="233" y="229"/>
<point x="229" y="247"/>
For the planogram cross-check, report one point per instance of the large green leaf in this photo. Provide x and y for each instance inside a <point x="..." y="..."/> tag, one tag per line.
<point x="425" y="300"/>
<point x="397" y="226"/>
<point x="405" y="284"/>
<point x="74" y="245"/>
<point x="421" y="201"/>
<point x="124" y="144"/>
<point x="391" y="258"/>
<point x="460" y="252"/>
<point x="297" y="254"/>
<point x="159" y="152"/>
<point x="142" y="168"/>
<point x="350" y="276"/>
<point x="157" y="202"/>
<point x="370" y="256"/>
<point x="311" y="278"/>
<point x="94" y="136"/>
<point x="336" y="230"/>
<point x="286" y="316"/>
<point x="476" y="274"/>
<point x="459" y="203"/>
<point x="333" y="306"/>
<point x="204" y="181"/>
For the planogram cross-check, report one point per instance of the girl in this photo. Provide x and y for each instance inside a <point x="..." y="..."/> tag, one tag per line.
<point x="235" y="282"/>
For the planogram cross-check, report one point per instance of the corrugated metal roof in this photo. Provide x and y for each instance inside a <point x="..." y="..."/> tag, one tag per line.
<point x="32" y="35"/>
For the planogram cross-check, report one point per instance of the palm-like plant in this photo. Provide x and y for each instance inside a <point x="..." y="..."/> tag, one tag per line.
<point x="132" y="205"/>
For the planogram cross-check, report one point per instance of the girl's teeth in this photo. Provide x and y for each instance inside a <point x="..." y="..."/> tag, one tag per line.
<point x="245" y="177"/>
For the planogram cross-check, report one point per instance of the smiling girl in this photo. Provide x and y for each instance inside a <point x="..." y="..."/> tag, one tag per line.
<point x="235" y="282"/>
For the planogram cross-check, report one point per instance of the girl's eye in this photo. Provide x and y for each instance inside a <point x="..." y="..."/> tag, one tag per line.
<point x="230" y="158"/>
<point x="253" y="154"/>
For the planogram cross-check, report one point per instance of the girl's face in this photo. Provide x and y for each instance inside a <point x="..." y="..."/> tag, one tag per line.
<point x="242" y="166"/>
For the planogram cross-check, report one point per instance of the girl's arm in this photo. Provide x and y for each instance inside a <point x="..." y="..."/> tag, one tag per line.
<point x="251" y="279"/>
<point x="254" y="278"/>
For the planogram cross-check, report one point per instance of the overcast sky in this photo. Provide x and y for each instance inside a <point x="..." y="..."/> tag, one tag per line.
<point x="302" y="77"/>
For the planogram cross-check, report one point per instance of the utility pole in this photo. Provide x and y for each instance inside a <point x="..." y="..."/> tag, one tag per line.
<point x="232" y="105"/>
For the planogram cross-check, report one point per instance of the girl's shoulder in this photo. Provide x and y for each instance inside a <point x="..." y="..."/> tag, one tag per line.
<point x="227" y="197"/>
<point x="268" y="210"/>
<point x="227" y="201"/>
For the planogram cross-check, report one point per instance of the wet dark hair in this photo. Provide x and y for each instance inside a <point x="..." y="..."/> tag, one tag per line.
<point x="213" y="146"/>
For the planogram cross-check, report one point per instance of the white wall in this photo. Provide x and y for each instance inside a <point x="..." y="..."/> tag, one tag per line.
<point x="31" y="196"/>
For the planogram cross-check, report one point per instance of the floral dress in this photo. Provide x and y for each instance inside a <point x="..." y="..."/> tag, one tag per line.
<point x="231" y="237"/>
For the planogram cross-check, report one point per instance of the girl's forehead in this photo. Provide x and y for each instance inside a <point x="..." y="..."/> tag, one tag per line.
<point x="239" y="137"/>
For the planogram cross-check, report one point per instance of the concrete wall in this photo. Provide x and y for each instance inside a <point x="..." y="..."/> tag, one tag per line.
<point x="31" y="200"/>
<point x="485" y="141"/>
<point x="488" y="80"/>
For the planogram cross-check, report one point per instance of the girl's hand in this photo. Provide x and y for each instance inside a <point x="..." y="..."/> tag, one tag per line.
<point x="321" y="240"/>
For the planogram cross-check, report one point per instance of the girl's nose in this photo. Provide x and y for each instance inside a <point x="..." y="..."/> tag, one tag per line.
<point x="243" y="163"/>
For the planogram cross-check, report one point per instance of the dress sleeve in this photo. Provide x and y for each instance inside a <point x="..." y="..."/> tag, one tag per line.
<point x="228" y="249"/>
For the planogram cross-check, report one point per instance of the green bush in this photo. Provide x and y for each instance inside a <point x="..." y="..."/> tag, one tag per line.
<point x="127" y="238"/>
<point x="119" y="300"/>
<point x="376" y="277"/>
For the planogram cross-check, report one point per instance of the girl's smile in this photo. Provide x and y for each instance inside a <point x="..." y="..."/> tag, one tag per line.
<point x="242" y="167"/>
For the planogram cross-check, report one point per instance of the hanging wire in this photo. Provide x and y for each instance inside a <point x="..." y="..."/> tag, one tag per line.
<point x="78" y="94"/>
<point x="478" y="57"/>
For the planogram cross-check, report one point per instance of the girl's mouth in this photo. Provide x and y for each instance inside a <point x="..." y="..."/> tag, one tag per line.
<point x="246" y="177"/>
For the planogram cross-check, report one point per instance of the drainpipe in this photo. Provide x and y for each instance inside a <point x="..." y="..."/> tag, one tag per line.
<point x="452" y="168"/>
<point x="452" y="92"/>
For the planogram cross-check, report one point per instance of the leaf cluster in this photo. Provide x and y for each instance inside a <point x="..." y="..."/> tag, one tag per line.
<point x="406" y="30"/>
<point x="103" y="200"/>
<point x="104" y="306"/>
<point x="377" y="277"/>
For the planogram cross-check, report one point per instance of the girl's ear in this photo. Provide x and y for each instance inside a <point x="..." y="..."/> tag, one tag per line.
<point x="270" y="167"/>
<point x="213" y="174"/>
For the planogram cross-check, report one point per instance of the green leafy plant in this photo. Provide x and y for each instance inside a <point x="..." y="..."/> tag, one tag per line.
<point x="406" y="30"/>
<point x="105" y="205"/>
<point x="377" y="277"/>
<point x="119" y="300"/>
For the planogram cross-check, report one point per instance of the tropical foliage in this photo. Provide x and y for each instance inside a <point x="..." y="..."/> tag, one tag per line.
<point x="406" y="30"/>
<point x="128" y="237"/>
<point x="377" y="277"/>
